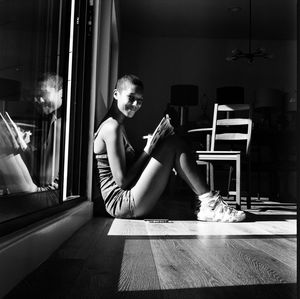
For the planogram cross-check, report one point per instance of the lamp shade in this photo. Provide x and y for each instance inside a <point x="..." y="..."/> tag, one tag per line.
<point x="268" y="98"/>
<point x="184" y="95"/>
<point x="230" y="95"/>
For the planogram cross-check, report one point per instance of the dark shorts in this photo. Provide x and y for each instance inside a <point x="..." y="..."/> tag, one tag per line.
<point x="118" y="203"/>
<point x="122" y="205"/>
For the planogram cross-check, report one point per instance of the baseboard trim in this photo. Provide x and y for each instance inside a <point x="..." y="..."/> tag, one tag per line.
<point x="23" y="251"/>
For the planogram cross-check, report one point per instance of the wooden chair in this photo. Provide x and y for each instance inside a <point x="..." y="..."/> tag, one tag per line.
<point x="229" y="129"/>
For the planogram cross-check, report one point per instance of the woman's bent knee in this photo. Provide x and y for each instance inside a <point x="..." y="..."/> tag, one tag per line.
<point x="171" y="144"/>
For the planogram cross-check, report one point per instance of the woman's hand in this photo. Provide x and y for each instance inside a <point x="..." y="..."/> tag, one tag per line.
<point x="163" y="130"/>
<point x="148" y="148"/>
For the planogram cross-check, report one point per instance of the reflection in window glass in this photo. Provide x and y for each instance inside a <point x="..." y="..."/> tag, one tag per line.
<point x="31" y="95"/>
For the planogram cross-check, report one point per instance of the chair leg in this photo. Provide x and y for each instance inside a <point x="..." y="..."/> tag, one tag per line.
<point x="248" y="184"/>
<point x="238" y="182"/>
<point x="207" y="165"/>
<point x="211" y="176"/>
<point x="229" y="179"/>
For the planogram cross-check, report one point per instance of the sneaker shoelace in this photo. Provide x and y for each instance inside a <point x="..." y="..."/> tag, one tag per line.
<point x="219" y="202"/>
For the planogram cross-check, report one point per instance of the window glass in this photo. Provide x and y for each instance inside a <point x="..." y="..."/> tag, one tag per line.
<point x="33" y="39"/>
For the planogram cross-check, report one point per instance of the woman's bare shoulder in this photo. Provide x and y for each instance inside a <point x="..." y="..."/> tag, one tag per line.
<point x="109" y="128"/>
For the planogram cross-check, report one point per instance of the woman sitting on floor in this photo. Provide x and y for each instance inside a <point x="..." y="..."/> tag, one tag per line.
<point x="131" y="185"/>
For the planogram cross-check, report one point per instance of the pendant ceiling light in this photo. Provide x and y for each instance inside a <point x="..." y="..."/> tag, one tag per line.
<point x="259" y="52"/>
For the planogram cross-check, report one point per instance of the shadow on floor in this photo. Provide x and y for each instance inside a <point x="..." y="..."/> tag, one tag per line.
<point x="278" y="291"/>
<point x="270" y="291"/>
<point x="253" y="217"/>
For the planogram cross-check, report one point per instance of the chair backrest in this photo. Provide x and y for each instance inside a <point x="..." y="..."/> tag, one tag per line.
<point x="233" y="128"/>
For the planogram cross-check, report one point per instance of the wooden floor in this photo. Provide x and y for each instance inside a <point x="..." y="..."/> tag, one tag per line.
<point x="183" y="258"/>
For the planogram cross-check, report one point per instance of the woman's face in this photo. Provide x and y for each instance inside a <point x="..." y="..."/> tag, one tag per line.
<point x="129" y="99"/>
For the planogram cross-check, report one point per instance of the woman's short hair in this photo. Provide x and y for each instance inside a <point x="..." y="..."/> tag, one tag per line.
<point x="131" y="79"/>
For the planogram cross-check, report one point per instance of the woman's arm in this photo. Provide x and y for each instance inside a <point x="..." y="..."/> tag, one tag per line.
<point x="112" y="135"/>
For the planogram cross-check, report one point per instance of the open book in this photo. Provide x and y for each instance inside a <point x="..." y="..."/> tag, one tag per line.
<point x="13" y="132"/>
<point x="163" y="130"/>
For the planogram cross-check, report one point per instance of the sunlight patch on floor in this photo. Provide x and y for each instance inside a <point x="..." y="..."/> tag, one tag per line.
<point x="125" y="227"/>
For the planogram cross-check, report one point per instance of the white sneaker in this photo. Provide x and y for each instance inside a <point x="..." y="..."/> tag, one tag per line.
<point x="213" y="208"/>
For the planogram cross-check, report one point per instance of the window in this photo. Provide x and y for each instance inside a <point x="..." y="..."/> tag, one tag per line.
<point x="42" y="108"/>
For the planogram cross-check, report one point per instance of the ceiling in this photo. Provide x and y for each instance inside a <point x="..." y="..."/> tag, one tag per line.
<point x="271" y="19"/>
